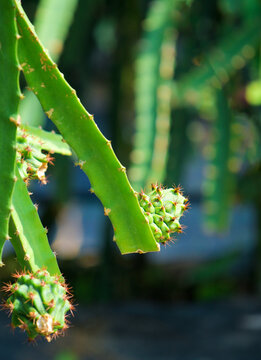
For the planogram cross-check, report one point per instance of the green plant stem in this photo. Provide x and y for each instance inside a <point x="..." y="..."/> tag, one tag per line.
<point x="9" y="100"/>
<point x="96" y="157"/>
<point x="29" y="237"/>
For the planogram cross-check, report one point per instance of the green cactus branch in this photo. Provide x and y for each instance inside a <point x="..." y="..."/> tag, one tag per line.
<point x="28" y="236"/>
<point x="96" y="157"/>
<point x="9" y="100"/>
<point x="52" y="21"/>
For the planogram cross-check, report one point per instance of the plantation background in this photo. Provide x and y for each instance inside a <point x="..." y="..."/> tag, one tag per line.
<point x="199" y="297"/>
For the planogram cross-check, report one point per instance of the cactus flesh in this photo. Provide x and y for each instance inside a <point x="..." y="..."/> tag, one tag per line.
<point x="38" y="303"/>
<point x="163" y="209"/>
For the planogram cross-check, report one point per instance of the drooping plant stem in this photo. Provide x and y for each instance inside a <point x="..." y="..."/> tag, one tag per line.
<point x="9" y="100"/>
<point x="28" y="236"/>
<point x="96" y="157"/>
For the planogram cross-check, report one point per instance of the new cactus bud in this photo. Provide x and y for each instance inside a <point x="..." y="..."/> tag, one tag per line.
<point x="32" y="162"/>
<point x="38" y="304"/>
<point x="163" y="209"/>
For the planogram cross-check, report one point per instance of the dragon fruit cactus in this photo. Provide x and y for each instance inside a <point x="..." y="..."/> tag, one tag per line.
<point x="38" y="304"/>
<point x="163" y="209"/>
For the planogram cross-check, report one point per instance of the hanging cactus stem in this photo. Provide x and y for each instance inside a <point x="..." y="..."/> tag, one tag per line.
<point x="9" y="100"/>
<point x="39" y="303"/>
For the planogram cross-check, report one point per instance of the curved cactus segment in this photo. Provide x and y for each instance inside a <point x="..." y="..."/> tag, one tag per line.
<point x="38" y="304"/>
<point x="163" y="208"/>
<point x="147" y="81"/>
<point x="9" y="100"/>
<point x="52" y="21"/>
<point x="29" y="237"/>
<point x="96" y="157"/>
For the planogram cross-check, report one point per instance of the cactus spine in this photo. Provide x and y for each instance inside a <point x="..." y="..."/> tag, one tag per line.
<point x="95" y="153"/>
<point x="38" y="304"/>
<point x="9" y="100"/>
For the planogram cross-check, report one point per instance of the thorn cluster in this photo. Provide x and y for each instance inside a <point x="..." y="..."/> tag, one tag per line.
<point x="31" y="161"/>
<point x="162" y="209"/>
<point x="38" y="303"/>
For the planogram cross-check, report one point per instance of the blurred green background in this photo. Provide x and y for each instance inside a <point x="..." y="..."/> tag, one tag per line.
<point x="176" y="86"/>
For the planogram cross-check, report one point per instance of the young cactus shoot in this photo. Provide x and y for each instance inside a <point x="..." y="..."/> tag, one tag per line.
<point x="163" y="208"/>
<point x="38" y="304"/>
